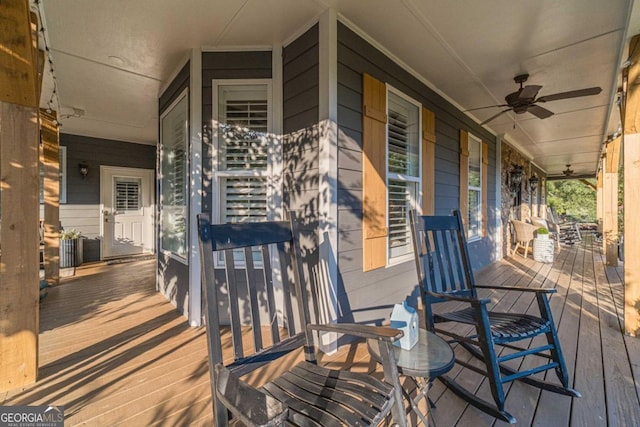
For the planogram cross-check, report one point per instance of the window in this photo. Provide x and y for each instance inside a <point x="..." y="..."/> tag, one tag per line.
<point x="475" y="188"/>
<point x="403" y="170"/>
<point x="174" y="167"/>
<point x="62" y="153"/>
<point x="127" y="194"/>
<point x="242" y="124"/>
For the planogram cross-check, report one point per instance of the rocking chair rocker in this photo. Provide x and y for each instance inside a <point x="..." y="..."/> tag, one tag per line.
<point x="444" y="274"/>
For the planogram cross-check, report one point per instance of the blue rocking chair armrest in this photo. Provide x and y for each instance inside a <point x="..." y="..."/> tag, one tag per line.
<point x="519" y="289"/>
<point x="473" y="301"/>
<point x="248" y="404"/>
<point x="382" y="333"/>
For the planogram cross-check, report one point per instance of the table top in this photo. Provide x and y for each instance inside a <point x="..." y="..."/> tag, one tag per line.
<point x="429" y="358"/>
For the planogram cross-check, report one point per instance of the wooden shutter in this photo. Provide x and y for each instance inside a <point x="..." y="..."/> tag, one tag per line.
<point x="374" y="191"/>
<point x="485" y="179"/>
<point x="428" y="161"/>
<point x="464" y="178"/>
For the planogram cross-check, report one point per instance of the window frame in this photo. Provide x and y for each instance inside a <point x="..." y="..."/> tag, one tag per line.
<point x="416" y="203"/>
<point x="472" y="139"/>
<point x="184" y="259"/>
<point x="271" y="173"/>
<point x="274" y="150"/>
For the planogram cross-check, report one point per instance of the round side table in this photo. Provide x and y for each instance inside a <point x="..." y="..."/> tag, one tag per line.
<point x="429" y="358"/>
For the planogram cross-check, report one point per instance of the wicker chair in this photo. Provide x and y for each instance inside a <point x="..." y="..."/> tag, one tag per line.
<point x="553" y="231"/>
<point x="524" y="235"/>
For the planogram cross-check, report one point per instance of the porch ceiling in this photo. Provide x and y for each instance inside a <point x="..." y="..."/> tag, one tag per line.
<point x="112" y="57"/>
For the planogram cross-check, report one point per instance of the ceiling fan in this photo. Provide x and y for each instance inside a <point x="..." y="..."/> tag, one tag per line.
<point x="568" y="171"/>
<point x="524" y="99"/>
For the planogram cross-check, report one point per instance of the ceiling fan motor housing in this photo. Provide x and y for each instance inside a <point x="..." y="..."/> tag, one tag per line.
<point x="519" y="105"/>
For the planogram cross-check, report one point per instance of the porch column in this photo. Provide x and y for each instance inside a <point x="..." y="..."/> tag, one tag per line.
<point x="51" y="164"/>
<point x="600" y="198"/>
<point x="631" y="132"/>
<point x="610" y="192"/>
<point x="19" y="240"/>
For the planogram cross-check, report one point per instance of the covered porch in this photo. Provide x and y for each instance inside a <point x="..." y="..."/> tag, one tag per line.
<point x="118" y="353"/>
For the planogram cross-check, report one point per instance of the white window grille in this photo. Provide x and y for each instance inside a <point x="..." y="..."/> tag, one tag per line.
<point x="403" y="171"/>
<point x="127" y="194"/>
<point x="242" y="131"/>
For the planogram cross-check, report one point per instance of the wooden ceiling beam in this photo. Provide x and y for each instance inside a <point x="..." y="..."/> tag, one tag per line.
<point x="588" y="184"/>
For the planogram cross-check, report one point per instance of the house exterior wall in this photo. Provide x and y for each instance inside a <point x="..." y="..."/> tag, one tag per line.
<point x="82" y="208"/>
<point x="358" y="291"/>
<point x="172" y="275"/>
<point x="300" y="70"/>
<point x="359" y="296"/>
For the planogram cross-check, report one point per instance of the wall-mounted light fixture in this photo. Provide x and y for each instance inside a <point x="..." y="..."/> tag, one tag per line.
<point x="83" y="168"/>
<point x="533" y="183"/>
<point x="515" y="178"/>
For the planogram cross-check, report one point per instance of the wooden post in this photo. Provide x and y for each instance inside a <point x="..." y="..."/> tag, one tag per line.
<point x="631" y="131"/>
<point x="19" y="292"/>
<point x="610" y="193"/>
<point x="631" y="233"/>
<point x="51" y="164"/>
<point x="600" y="199"/>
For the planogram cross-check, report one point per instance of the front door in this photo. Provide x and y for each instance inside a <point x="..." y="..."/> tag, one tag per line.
<point x="127" y="211"/>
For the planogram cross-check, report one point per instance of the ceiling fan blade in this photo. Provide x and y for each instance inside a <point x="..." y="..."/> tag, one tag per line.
<point x="488" y="106"/>
<point x="495" y="116"/>
<point x="529" y="91"/>
<point x="539" y="112"/>
<point x="571" y="94"/>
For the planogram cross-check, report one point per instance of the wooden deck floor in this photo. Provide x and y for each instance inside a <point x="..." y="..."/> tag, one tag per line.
<point x="114" y="352"/>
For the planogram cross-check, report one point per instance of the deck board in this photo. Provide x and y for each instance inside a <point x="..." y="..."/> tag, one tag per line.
<point x="115" y="352"/>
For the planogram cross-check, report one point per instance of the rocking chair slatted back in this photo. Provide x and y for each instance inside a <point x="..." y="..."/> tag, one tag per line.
<point x="249" y="279"/>
<point x="254" y="292"/>
<point x="439" y="254"/>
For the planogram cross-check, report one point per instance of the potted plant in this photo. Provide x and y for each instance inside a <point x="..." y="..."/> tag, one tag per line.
<point x="542" y="233"/>
<point x="70" y="248"/>
<point x="542" y="246"/>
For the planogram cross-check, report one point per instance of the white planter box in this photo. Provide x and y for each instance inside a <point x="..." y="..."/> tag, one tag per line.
<point x="543" y="249"/>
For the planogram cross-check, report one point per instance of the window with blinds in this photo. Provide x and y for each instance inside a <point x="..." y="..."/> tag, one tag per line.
<point x="475" y="187"/>
<point x="402" y="196"/>
<point x="127" y="194"/>
<point x="243" y="134"/>
<point x="243" y="126"/>
<point x="403" y="170"/>
<point x="245" y="200"/>
<point x="174" y="169"/>
<point x="402" y="137"/>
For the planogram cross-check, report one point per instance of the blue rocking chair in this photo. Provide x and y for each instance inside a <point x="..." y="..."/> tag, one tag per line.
<point x="445" y="274"/>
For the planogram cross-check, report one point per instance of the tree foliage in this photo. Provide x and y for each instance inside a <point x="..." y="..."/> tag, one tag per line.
<point x="573" y="198"/>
